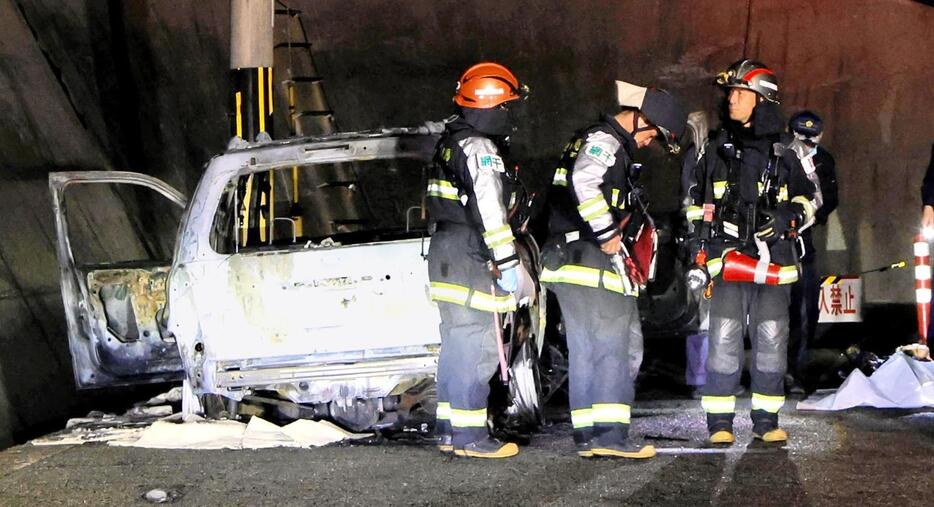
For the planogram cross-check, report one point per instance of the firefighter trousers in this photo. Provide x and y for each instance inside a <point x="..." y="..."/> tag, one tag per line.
<point x="604" y="339"/>
<point x="738" y="308"/>
<point x="461" y="284"/>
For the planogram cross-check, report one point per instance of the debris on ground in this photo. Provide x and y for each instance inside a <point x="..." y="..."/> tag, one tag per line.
<point x="147" y="411"/>
<point x="156" y="496"/>
<point x="901" y="382"/>
<point x="258" y="434"/>
<point x="173" y="395"/>
<point x="156" y="424"/>
<point x="196" y="433"/>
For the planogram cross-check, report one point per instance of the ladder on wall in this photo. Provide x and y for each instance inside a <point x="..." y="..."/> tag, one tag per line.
<point x="303" y="86"/>
<point x="310" y="114"/>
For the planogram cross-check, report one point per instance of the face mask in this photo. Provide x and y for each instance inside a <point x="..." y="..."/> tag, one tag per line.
<point x="495" y="122"/>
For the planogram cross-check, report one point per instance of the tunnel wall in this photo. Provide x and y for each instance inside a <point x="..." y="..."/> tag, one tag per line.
<point x="142" y="86"/>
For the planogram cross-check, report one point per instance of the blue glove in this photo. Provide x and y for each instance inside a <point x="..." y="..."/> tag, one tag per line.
<point x="509" y="280"/>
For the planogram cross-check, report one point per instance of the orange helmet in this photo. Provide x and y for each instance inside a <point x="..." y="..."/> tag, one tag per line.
<point x="487" y="85"/>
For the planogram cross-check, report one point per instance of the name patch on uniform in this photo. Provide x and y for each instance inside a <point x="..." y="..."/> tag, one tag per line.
<point x="491" y="162"/>
<point x="601" y="154"/>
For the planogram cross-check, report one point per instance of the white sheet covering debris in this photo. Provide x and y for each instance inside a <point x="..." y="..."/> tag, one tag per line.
<point x="901" y="382"/>
<point x="196" y="433"/>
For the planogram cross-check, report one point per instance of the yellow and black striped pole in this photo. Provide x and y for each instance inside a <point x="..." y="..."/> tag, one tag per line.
<point x="251" y="60"/>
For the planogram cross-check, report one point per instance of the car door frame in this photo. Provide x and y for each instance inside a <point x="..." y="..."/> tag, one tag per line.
<point x="75" y="293"/>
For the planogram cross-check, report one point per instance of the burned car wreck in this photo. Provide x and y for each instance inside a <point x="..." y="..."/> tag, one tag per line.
<point x="298" y="285"/>
<point x="298" y="282"/>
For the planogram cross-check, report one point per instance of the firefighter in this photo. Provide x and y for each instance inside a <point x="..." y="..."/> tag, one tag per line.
<point x="750" y="196"/>
<point x="807" y="128"/>
<point x="594" y="212"/>
<point x="472" y="263"/>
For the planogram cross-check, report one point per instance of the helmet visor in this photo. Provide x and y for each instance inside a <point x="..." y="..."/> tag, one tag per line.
<point x="730" y="81"/>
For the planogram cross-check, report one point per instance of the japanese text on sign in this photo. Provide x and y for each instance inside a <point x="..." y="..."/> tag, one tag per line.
<point x="841" y="299"/>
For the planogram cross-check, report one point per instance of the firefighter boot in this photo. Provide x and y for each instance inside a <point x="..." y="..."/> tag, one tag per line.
<point x="582" y="442"/>
<point x="770" y="436"/>
<point x="489" y="447"/>
<point x="446" y="443"/>
<point x="625" y="449"/>
<point x="722" y="437"/>
<point x="584" y="449"/>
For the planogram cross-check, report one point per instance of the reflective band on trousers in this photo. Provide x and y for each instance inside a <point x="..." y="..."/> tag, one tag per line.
<point x="610" y="413"/>
<point x="443" y="189"/>
<point x="593" y="208"/>
<point x="498" y="236"/>
<point x="478" y="300"/>
<point x="719" y="404"/>
<point x="613" y="282"/>
<point x="449" y="293"/>
<point x="468" y="418"/>
<point x="582" y="418"/>
<point x="561" y="177"/>
<point x="768" y="403"/>
<point x="488" y="303"/>
<point x="577" y="275"/>
<point x="443" y="412"/>
<point x="588" y="277"/>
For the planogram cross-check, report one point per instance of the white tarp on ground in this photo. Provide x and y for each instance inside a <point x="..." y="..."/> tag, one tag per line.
<point x="901" y="382"/>
<point x="201" y="434"/>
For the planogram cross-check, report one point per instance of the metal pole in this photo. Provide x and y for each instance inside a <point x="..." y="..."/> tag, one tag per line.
<point x="251" y="61"/>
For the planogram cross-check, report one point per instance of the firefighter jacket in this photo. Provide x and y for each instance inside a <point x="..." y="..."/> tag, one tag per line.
<point x="744" y="176"/>
<point x="470" y="185"/>
<point x="590" y="196"/>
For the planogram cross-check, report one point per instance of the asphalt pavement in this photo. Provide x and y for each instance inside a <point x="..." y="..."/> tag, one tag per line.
<point x="859" y="457"/>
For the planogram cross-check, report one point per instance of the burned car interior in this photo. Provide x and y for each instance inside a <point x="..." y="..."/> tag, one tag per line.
<point x="347" y="203"/>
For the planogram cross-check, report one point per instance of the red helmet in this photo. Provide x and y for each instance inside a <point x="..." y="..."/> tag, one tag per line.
<point x="487" y="85"/>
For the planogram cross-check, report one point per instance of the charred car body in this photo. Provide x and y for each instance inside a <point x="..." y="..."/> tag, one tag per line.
<point x="324" y="314"/>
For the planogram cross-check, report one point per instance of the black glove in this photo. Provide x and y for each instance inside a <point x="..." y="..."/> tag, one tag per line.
<point x="767" y="227"/>
<point x="775" y="223"/>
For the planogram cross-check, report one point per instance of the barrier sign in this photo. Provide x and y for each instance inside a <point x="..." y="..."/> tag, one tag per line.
<point x="841" y="299"/>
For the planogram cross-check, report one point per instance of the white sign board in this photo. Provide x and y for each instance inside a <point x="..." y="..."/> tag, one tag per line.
<point x="841" y="299"/>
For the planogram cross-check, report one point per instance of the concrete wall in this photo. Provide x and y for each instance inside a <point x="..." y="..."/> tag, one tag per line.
<point x="864" y="65"/>
<point x="142" y="86"/>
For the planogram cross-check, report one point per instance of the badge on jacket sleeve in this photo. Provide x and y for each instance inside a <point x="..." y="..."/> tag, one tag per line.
<point x="491" y="162"/>
<point x="601" y="154"/>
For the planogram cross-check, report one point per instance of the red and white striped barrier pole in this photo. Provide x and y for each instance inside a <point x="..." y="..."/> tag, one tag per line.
<point x="923" y="285"/>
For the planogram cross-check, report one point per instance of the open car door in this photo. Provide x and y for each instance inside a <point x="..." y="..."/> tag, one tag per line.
<point x="113" y="274"/>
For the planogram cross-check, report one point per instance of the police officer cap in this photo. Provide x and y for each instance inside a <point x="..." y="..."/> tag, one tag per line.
<point x="806" y="123"/>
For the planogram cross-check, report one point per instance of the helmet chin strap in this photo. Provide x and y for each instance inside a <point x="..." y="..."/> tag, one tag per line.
<point x="635" y="124"/>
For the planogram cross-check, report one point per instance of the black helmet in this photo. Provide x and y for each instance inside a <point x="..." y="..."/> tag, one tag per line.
<point x="751" y="75"/>
<point x="806" y="125"/>
<point x="660" y="108"/>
